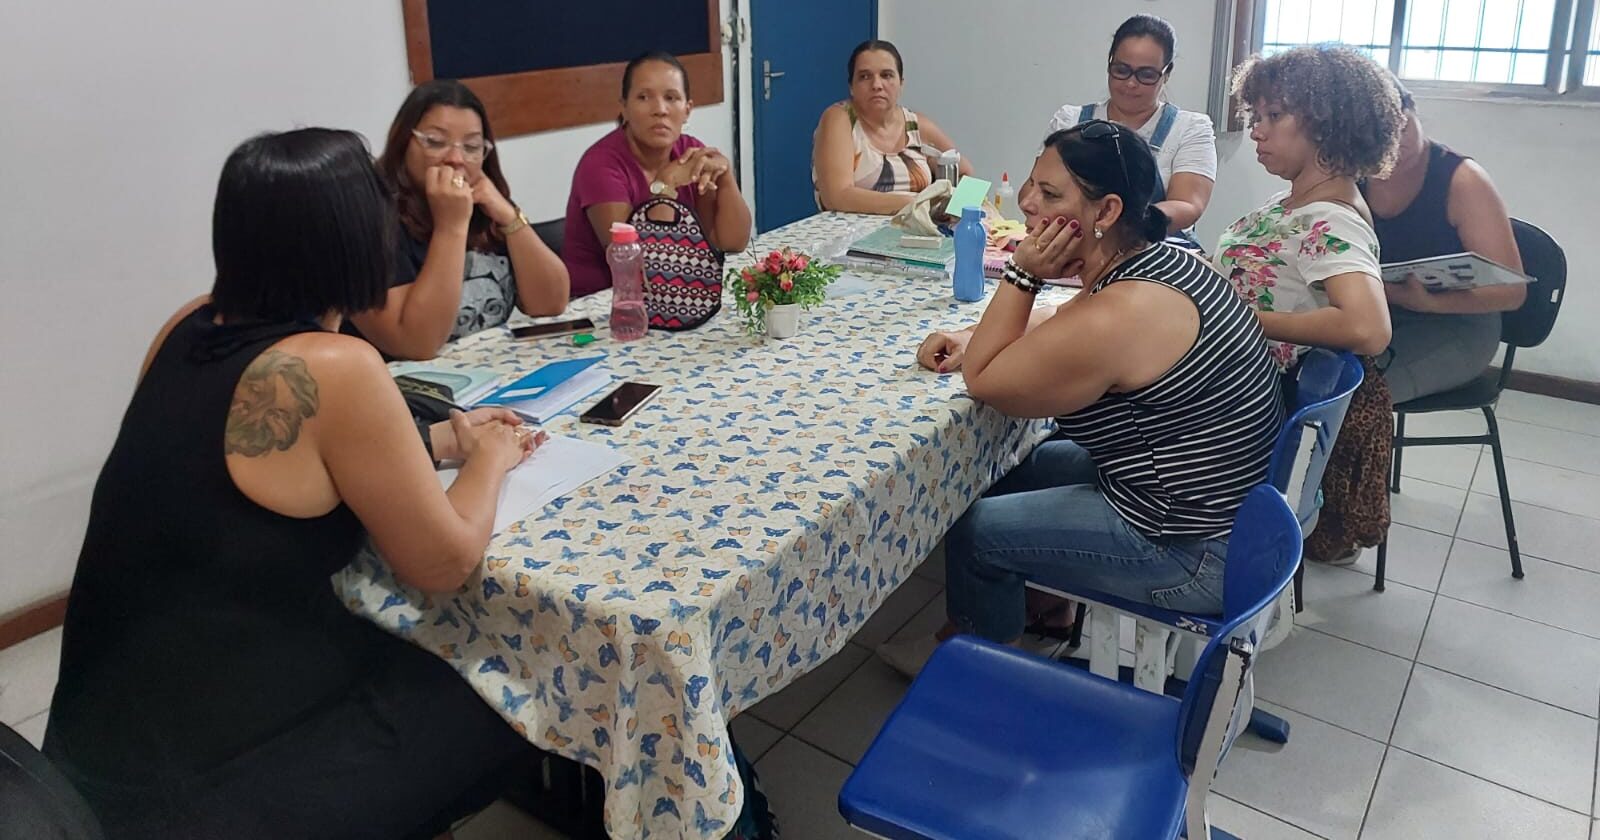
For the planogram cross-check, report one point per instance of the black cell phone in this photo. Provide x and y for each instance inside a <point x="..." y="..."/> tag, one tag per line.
<point x="553" y="329"/>
<point x="620" y="404"/>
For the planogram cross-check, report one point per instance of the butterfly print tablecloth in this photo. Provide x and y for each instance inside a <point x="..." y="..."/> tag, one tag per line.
<point x="777" y="493"/>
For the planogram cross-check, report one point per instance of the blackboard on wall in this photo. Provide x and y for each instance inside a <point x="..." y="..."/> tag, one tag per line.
<point x="497" y="37"/>
<point x="545" y="64"/>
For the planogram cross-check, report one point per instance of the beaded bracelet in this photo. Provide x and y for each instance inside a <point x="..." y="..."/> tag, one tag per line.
<point x="1019" y="277"/>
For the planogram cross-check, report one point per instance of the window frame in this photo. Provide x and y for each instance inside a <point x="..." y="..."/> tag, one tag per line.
<point x="1240" y="30"/>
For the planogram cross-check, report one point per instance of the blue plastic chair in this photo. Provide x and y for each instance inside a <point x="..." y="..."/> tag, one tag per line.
<point x="1324" y="385"/>
<point x="992" y="743"/>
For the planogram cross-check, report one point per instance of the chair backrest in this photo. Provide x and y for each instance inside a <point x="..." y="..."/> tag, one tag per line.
<point x="1263" y="552"/>
<point x="35" y="799"/>
<point x="1327" y="380"/>
<point x="1543" y="260"/>
<point x="553" y="232"/>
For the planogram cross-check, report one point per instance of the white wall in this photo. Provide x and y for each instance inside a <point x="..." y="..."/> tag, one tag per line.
<point x="1033" y="55"/>
<point x="117" y="119"/>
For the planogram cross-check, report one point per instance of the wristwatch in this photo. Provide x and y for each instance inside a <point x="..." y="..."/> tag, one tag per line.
<point x="513" y="227"/>
<point x="659" y="187"/>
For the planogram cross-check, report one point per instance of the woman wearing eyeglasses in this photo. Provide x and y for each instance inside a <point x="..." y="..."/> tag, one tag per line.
<point x="467" y="256"/>
<point x="1184" y="142"/>
<point x="1157" y="374"/>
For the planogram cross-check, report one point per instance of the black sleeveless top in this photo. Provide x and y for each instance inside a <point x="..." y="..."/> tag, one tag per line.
<point x="1177" y="457"/>
<point x="1423" y="229"/>
<point x="199" y="623"/>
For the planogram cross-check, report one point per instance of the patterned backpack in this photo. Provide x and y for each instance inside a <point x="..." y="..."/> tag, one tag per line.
<point x="682" y="271"/>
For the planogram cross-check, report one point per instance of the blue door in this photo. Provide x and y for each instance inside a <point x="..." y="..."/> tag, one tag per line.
<point x="799" y="50"/>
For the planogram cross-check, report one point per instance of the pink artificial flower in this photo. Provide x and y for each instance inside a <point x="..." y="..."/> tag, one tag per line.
<point x="786" y="283"/>
<point x="752" y="296"/>
<point x="798" y="262"/>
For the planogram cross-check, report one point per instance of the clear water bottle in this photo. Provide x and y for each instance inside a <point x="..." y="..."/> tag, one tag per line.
<point x="971" y="238"/>
<point x="629" y="319"/>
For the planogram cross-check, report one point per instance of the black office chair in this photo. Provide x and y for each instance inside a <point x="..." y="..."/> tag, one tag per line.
<point x="553" y="233"/>
<point x="36" y="801"/>
<point x="1527" y="326"/>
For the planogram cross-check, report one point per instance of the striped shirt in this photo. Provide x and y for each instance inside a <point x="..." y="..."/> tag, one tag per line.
<point x="1176" y="457"/>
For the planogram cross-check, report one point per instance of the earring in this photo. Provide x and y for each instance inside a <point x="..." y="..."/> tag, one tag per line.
<point x="1099" y="234"/>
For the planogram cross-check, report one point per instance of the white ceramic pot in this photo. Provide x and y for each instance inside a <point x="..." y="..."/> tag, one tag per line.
<point x="783" y="320"/>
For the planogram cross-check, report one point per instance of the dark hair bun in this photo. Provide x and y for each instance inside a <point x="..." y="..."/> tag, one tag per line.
<point x="1156" y="223"/>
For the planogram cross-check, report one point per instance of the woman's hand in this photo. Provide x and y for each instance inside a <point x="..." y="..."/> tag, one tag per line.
<point x="712" y="165"/>
<point x="942" y="351"/>
<point x="490" y="436"/>
<point x="497" y="207"/>
<point x="700" y="167"/>
<point x="1046" y="253"/>
<point x="443" y="437"/>
<point x="1410" y="294"/>
<point x="449" y="197"/>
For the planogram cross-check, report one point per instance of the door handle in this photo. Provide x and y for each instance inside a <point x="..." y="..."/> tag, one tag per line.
<point x="767" y="75"/>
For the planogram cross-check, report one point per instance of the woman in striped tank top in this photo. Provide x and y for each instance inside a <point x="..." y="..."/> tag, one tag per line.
<point x="1157" y="373"/>
<point x="870" y="154"/>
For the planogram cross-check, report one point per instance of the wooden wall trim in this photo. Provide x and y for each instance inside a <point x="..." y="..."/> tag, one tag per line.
<point x="32" y="620"/>
<point x="1559" y="387"/>
<point x="541" y="100"/>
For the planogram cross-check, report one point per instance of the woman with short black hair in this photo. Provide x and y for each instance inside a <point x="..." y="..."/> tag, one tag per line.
<point x="1159" y="379"/>
<point x="1138" y="68"/>
<point x="211" y="683"/>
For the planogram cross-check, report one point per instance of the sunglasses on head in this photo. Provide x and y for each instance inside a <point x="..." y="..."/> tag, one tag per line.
<point x="1147" y="76"/>
<point x="1098" y="130"/>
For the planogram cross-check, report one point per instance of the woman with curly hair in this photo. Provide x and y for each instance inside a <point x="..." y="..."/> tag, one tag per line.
<point x="1323" y="118"/>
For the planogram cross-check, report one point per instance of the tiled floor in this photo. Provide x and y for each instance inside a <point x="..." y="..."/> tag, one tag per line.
<point x="1458" y="704"/>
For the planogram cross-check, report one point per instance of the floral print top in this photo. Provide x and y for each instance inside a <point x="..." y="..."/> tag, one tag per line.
<point x="1278" y="259"/>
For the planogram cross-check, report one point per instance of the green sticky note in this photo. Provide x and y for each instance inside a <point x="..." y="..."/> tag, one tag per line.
<point x="582" y="339"/>
<point x="969" y="193"/>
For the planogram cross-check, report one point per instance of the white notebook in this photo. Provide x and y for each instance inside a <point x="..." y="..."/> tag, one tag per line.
<point x="557" y="468"/>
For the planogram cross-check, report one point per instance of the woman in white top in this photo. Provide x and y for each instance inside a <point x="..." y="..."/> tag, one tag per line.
<point x="1184" y="142"/>
<point x="871" y="154"/>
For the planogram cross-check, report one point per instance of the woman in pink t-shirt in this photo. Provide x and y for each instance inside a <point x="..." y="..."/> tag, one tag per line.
<point x="648" y="154"/>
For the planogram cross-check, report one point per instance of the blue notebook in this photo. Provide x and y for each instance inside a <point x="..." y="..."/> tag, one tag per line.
<point x="552" y="389"/>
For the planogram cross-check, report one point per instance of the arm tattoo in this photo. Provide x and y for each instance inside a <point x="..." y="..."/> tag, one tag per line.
<point x="263" y="416"/>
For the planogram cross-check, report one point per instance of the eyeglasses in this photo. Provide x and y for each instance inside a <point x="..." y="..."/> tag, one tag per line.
<point x="433" y="144"/>
<point x="1147" y="76"/>
<point x="1100" y="130"/>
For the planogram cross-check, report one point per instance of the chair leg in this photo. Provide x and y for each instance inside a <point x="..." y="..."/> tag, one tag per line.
<point x="1399" y="435"/>
<point x="1268" y="726"/>
<point x="1383" y="562"/>
<point x="1505" y="492"/>
<point x="1075" y="638"/>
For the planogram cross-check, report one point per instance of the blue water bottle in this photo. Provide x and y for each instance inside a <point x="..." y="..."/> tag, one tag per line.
<point x="970" y="241"/>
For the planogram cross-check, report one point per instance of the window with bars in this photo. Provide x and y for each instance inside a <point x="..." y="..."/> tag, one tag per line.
<point x="1549" y="43"/>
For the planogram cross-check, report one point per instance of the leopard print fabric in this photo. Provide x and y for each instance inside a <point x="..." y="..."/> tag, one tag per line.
<point x="1355" y="486"/>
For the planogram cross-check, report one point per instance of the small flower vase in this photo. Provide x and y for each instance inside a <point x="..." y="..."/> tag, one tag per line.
<point x="783" y="320"/>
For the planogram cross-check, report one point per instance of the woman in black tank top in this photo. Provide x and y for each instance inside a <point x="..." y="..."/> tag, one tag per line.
<point x="1437" y="202"/>
<point x="211" y="683"/>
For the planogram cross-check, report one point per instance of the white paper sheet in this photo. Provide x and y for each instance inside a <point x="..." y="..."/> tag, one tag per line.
<point x="559" y="467"/>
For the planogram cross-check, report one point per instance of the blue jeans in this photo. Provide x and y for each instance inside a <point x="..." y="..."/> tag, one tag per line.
<point x="1047" y="522"/>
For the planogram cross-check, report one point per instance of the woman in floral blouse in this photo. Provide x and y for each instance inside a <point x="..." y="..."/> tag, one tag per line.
<point x="1322" y="118"/>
